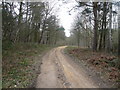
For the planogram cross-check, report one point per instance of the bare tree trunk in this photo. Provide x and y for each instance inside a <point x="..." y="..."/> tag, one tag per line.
<point x="95" y="38"/>
<point x="26" y="22"/>
<point x="104" y="23"/>
<point x="43" y="29"/>
<point x="41" y="36"/>
<point x="119" y="29"/>
<point x="78" y="37"/>
<point x="109" y="35"/>
<point x="100" y="42"/>
<point x="19" y="22"/>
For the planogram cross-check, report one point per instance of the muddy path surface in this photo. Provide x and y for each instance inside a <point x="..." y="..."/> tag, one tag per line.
<point x="59" y="71"/>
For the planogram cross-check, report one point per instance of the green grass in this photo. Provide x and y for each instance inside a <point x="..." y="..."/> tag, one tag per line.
<point x="69" y="48"/>
<point x="17" y="63"/>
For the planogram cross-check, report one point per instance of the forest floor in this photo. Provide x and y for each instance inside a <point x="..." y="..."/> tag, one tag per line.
<point x="21" y="64"/>
<point x="36" y="66"/>
<point x="101" y="64"/>
<point x="58" y="70"/>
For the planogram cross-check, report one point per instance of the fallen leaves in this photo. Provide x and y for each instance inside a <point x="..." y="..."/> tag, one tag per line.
<point x="102" y="62"/>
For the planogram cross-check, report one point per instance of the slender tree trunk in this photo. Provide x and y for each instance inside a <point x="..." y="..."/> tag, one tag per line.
<point x="109" y="41"/>
<point x="42" y="32"/>
<point x="119" y="40"/>
<point x="47" y="38"/>
<point x="100" y="42"/>
<point x="56" y="37"/>
<point x="19" y="22"/>
<point x="104" y="23"/>
<point x="95" y="38"/>
<point x="119" y="29"/>
<point x="102" y="33"/>
<point x="78" y="36"/>
<point x="43" y="29"/>
<point x="26" y="22"/>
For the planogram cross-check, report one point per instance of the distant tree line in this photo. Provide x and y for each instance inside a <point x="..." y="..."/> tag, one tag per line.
<point x="30" y="22"/>
<point x="97" y="26"/>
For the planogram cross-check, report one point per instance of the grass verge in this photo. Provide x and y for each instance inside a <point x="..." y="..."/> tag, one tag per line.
<point x="21" y="64"/>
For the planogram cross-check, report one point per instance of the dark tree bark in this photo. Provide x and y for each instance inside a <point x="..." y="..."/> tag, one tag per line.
<point x="19" y="22"/>
<point x="119" y="41"/>
<point x="104" y="23"/>
<point x="95" y="38"/>
<point x="103" y="29"/>
<point x="119" y="31"/>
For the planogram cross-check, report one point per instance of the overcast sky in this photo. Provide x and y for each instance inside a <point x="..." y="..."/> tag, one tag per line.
<point x="67" y="19"/>
<point x="61" y="10"/>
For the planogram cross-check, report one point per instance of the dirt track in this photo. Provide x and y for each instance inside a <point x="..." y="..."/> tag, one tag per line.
<point x="59" y="71"/>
